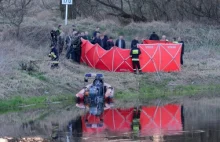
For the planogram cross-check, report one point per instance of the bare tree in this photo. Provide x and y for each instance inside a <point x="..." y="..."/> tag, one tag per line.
<point x="14" y="11"/>
<point x="128" y="9"/>
<point x="146" y="10"/>
<point x="203" y="9"/>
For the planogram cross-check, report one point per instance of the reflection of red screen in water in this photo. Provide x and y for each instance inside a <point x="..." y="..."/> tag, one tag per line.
<point x="154" y="120"/>
<point x="115" y="120"/>
<point x="163" y="120"/>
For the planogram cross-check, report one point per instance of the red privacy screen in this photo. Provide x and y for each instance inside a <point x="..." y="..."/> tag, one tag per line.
<point x="164" y="57"/>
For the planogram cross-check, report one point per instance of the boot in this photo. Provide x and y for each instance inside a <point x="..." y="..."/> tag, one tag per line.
<point x="140" y="72"/>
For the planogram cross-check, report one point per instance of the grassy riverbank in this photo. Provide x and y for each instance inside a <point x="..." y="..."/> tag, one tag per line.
<point x="38" y="83"/>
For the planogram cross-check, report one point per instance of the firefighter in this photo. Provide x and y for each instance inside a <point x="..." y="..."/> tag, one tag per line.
<point x="54" y="57"/>
<point x="59" y="30"/>
<point x="135" y="52"/>
<point x="77" y="48"/>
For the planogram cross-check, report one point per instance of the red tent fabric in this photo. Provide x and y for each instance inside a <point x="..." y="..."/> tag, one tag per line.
<point x="92" y="120"/>
<point x="115" y="120"/>
<point x="154" y="41"/>
<point x="163" y="120"/>
<point x="115" y="60"/>
<point x="170" y="57"/>
<point x="160" y="57"/>
<point x="149" y="58"/>
<point x="154" y="57"/>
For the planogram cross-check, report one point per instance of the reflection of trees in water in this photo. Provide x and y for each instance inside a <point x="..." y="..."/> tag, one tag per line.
<point x="75" y="129"/>
<point x="27" y="139"/>
<point x="198" y="117"/>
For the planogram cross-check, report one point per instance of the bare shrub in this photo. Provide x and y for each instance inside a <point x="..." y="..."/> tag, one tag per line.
<point x="145" y="10"/>
<point x="14" y="11"/>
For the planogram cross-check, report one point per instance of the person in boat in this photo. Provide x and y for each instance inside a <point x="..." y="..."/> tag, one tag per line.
<point x="85" y="97"/>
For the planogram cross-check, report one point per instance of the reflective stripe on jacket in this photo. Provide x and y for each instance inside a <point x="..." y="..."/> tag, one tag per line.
<point x="135" y="52"/>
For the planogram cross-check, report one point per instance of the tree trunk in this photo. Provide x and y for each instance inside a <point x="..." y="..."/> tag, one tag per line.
<point x="18" y="31"/>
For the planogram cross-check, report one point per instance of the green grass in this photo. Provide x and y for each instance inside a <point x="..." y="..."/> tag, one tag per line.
<point x="15" y="104"/>
<point x="153" y="91"/>
<point x="38" y="75"/>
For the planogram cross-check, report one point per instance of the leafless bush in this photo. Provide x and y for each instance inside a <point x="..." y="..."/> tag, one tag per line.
<point x="14" y="12"/>
<point x="146" y="10"/>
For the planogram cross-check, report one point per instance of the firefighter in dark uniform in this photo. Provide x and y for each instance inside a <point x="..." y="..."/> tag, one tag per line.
<point x="54" y="57"/>
<point x="77" y="48"/>
<point x="135" y="52"/>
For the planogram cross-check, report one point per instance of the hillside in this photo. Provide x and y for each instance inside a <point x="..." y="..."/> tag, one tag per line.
<point x="200" y="72"/>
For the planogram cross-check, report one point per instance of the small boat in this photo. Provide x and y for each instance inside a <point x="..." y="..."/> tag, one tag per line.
<point x="95" y="97"/>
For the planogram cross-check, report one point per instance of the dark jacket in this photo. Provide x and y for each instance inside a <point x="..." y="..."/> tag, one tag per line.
<point x="110" y="44"/>
<point x="134" y="43"/>
<point x="76" y="44"/>
<point x="122" y="43"/>
<point x="54" y="54"/>
<point x="135" y="52"/>
<point x="104" y="40"/>
<point x="87" y="37"/>
<point x="94" y="33"/>
<point x="182" y="50"/>
<point x="104" y="43"/>
<point x="154" y="37"/>
<point x="97" y="40"/>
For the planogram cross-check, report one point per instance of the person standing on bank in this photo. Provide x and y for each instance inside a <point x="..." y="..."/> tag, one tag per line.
<point x="154" y="36"/>
<point x="95" y="32"/>
<point x="110" y="43"/>
<point x="54" y="57"/>
<point x="134" y="42"/>
<point x="135" y="52"/>
<point x="120" y="42"/>
<point x="182" y="50"/>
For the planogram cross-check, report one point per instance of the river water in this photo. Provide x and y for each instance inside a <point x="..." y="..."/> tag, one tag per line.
<point x="191" y="121"/>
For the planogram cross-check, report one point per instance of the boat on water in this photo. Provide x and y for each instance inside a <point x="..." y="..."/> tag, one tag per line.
<point x="96" y="96"/>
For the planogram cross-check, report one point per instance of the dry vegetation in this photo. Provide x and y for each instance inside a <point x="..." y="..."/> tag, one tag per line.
<point x="200" y="72"/>
<point x="201" y="57"/>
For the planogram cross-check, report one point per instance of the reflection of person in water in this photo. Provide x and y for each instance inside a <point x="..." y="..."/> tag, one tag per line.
<point x="157" y="138"/>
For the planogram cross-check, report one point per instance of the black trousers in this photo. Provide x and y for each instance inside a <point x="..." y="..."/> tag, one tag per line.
<point x="136" y="64"/>
<point x="181" y="59"/>
<point x="54" y="63"/>
<point x="77" y="56"/>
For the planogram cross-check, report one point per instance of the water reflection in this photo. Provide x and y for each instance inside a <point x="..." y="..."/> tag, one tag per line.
<point x="198" y="122"/>
<point x="132" y="123"/>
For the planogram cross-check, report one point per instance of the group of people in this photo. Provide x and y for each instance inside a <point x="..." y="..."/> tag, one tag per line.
<point x="107" y="42"/>
<point x="73" y="44"/>
<point x="154" y="36"/>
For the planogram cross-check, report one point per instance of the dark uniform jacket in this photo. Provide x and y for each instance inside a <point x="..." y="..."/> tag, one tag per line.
<point x="135" y="52"/>
<point x="134" y="43"/>
<point x="54" y="54"/>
